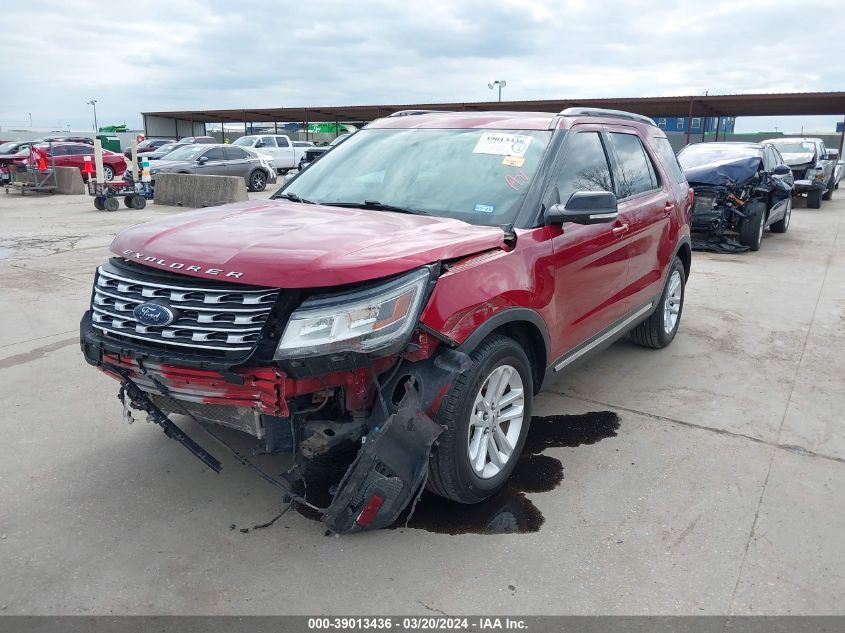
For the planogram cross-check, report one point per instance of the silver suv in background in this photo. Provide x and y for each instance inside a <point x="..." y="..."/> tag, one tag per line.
<point x="813" y="167"/>
<point x="218" y="160"/>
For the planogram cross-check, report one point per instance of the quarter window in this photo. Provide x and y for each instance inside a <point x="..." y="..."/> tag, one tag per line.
<point x="637" y="173"/>
<point x="670" y="161"/>
<point x="585" y="167"/>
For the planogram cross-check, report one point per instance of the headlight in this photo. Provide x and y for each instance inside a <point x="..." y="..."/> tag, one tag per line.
<point x="814" y="172"/>
<point x="366" y="320"/>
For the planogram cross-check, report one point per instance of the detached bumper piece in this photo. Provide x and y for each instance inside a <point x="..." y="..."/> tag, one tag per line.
<point x="140" y="399"/>
<point x="388" y="473"/>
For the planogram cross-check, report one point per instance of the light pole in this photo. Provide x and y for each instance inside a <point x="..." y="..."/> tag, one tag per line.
<point x="93" y="104"/>
<point x="501" y="83"/>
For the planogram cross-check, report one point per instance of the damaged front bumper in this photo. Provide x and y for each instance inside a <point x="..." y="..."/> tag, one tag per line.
<point x="394" y="439"/>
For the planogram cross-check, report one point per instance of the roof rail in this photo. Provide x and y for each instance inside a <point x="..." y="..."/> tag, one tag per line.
<point x="415" y="112"/>
<point x="618" y="114"/>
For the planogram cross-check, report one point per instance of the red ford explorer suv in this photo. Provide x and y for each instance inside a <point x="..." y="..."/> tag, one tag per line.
<point x="404" y="298"/>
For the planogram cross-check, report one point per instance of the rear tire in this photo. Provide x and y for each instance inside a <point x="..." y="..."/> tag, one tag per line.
<point x="139" y="202"/>
<point x="814" y="199"/>
<point x="127" y="200"/>
<point x="111" y="204"/>
<point x="98" y="203"/>
<point x="257" y="181"/>
<point x="108" y="174"/>
<point x="658" y="330"/>
<point x="783" y="224"/>
<point x="751" y="229"/>
<point x="829" y="193"/>
<point x="499" y="366"/>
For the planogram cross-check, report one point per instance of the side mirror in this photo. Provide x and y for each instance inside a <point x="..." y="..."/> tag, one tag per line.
<point x="833" y="154"/>
<point x="584" y="207"/>
<point x="781" y="170"/>
<point x="202" y="160"/>
<point x="259" y="144"/>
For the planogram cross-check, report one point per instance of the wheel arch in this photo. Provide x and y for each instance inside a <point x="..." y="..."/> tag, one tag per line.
<point x="684" y="253"/>
<point x="523" y="325"/>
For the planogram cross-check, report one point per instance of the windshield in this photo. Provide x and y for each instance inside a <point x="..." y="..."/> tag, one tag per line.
<point x="478" y="176"/>
<point x="794" y="147"/>
<point x="186" y="152"/>
<point x="6" y="148"/>
<point x="340" y="139"/>
<point x="245" y="141"/>
<point x="695" y="155"/>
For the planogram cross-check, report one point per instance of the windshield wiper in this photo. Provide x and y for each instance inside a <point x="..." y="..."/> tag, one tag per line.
<point x="376" y="206"/>
<point x="293" y="198"/>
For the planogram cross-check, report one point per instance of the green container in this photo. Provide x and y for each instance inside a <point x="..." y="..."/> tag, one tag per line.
<point x="111" y="143"/>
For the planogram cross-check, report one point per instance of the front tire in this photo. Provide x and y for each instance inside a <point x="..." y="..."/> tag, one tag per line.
<point x="658" y="330"/>
<point x="486" y="414"/>
<point x="108" y="173"/>
<point x="751" y="229"/>
<point x="111" y="204"/>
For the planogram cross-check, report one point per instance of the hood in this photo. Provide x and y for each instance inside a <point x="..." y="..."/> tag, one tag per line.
<point x="724" y="173"/>
<point x="798" y="159"/>
<point x="285" y="244"/>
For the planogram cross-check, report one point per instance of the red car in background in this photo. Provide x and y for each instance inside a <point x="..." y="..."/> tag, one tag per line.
<point x="73" y="155"/>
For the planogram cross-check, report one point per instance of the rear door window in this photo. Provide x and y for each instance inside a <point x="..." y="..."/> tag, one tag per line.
<point x="282" y="141"/>
<point x="636" y="171"/>
<point x="215" y="154"/>
<point x="585" y="167"/>
<point x="235" y="153"/>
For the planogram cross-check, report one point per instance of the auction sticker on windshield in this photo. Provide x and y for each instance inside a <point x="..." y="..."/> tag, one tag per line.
<point x="503" y="144"/>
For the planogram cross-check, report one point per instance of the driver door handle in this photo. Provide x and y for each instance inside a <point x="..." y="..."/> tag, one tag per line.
<point x="668" y="208"/>
<point x="619" y="230"/>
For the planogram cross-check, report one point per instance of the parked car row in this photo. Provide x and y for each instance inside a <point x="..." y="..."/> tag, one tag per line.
<point x="218" y="160"/>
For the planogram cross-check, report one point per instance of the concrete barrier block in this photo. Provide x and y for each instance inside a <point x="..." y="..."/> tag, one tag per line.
<point x="189" y="190"/>
<point x="69" y="181"/>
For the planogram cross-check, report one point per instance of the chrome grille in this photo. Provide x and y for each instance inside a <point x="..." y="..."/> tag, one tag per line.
<point x="222" y="317"/>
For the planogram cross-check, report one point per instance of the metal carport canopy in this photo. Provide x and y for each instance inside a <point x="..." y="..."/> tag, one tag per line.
<point x="774" y="104"/>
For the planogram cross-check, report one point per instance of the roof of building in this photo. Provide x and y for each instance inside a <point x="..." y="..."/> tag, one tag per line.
<point x="770" y="104"/>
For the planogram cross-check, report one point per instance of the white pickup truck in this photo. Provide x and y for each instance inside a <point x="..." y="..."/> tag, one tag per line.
<point x="284" y="153"/>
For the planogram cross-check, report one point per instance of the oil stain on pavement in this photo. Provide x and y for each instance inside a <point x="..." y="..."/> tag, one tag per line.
<point x="509" y="511"/>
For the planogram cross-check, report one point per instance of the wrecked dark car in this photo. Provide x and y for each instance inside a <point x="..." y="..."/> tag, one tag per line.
<point x="740" y="189"/>
<point x="813" y="166"/>
<point x="394" y="308"/>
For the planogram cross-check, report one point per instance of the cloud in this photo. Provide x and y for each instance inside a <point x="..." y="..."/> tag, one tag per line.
<point x="222" y="54"/>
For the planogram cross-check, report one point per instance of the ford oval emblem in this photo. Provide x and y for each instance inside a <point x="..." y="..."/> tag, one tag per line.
<point x="154" y="314"/>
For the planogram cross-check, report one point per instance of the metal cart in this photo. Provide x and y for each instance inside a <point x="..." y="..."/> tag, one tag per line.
<point x="106" y="194"/>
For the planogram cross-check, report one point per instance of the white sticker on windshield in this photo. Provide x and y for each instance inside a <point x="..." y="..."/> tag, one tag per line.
<point x="502" y="144"/>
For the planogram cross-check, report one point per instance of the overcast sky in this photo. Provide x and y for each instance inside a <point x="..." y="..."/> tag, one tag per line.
<point x="192" y="54"/>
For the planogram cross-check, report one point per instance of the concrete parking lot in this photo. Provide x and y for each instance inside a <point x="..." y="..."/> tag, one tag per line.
<point x="721" y="491"/>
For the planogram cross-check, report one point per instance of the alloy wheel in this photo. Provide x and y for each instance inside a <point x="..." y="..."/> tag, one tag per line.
<point x="496" y="421"/>
<point x="672" y="305"/>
